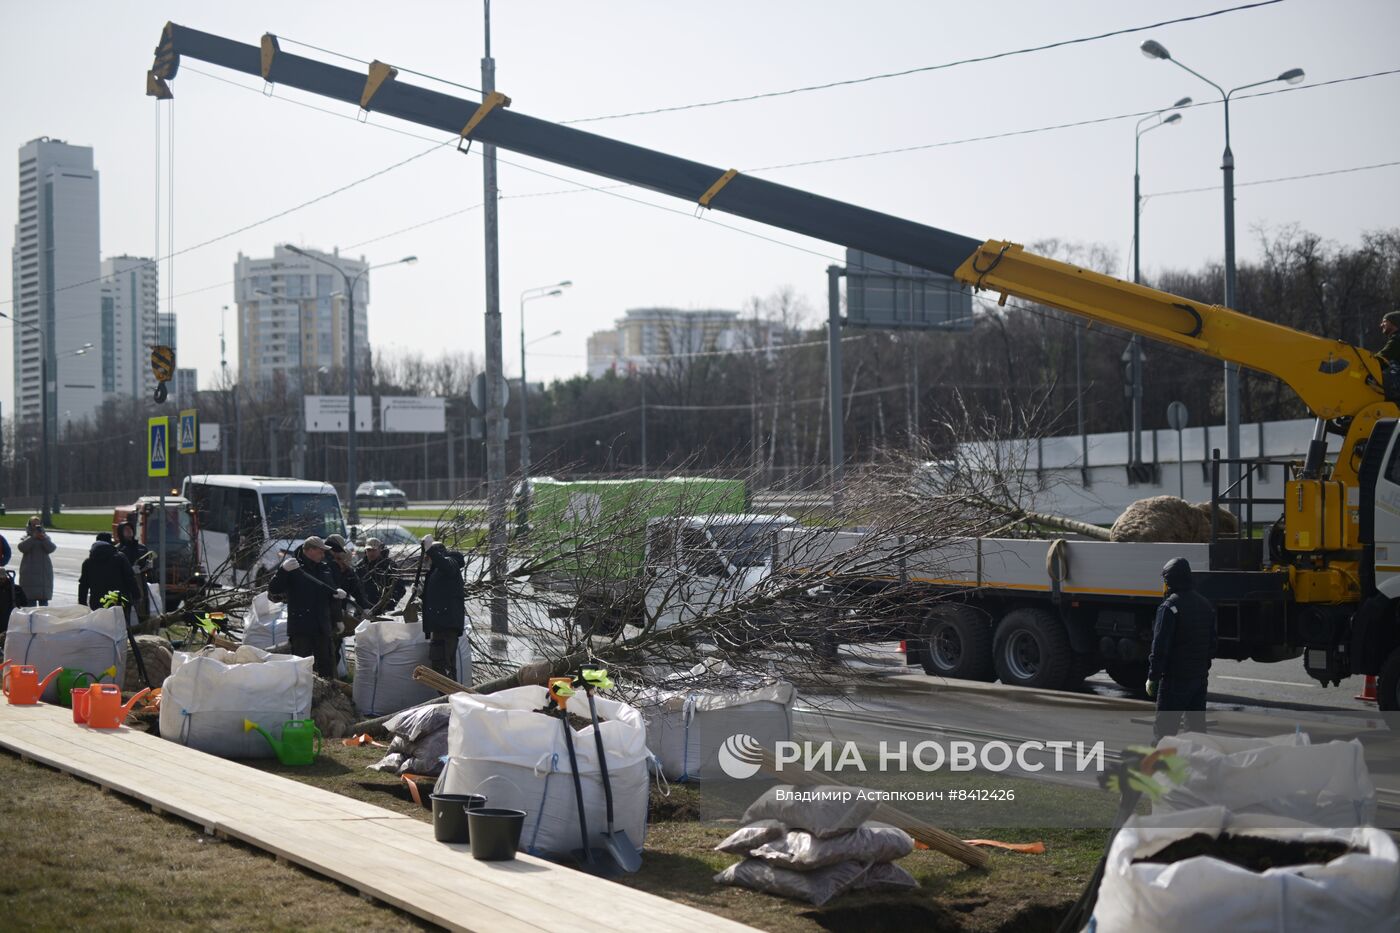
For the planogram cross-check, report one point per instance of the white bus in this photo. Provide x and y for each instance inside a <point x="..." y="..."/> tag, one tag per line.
<point x="247" y="523"/>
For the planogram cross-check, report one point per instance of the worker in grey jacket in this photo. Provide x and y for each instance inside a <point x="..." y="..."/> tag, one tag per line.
<point x="1183" y="644"/>
<point x="35" y="567"/>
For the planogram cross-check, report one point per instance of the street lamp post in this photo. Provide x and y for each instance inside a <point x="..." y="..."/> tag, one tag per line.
<point x="542" y="291"/>
<point x="350" y="283"/>
<point x="1154" y="49"/>
<point x="1135" y="345"/>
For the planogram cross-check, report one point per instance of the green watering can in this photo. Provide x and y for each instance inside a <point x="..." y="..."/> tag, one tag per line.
<point x="300" y="743"/>
<point x="71" y="677"/>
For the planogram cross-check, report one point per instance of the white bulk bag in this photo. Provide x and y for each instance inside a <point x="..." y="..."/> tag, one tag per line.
<point x="48" y="637"/>
<point x="685" y="728"/>
<point x="1358" y="892"/>
<point x="497" y="745"/>
<point x="210" y="692"/>
<point x="386" y="653"/>
<point x="1282" y="775"/>
<point x="265" y="625"/>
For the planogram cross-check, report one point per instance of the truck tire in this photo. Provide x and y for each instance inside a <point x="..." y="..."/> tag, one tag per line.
<point x="957" y="643"/>
<point x="1084" y="666"/>
<point x="1388" y="684"/>
<point x="1130" y="675"/>
<point x="1031" y="649"/>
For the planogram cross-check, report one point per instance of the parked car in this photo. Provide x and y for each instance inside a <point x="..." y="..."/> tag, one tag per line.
<point x="401" y="543"/>
<point x="377" y="494"/>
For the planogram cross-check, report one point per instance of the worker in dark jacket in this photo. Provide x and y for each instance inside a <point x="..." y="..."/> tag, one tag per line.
<point x="1183" y="644"/>
<point x="306" y="583"/>
<point x="1390" y="328"/>
<point x="444" y="606"/>
<point x="379" y="578"/>
<point x="134" y="551"/>
<point x="104" y="571"/>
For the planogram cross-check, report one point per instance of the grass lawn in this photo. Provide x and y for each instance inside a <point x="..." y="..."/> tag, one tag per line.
<point x="430" y="515"/>
<point x="77" y="858"/>
<point x="61" y="522"/>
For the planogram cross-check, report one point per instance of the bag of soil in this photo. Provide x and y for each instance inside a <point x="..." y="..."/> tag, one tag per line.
<point x="870" y="843"/>
<point x="814" y="887"/>
<point x="886" y="877"/>
<point x="747" y="838"/>
<point x="823" y="811"/>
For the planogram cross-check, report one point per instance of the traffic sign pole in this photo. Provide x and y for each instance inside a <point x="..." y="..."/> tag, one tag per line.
<point x="158" y="465"/>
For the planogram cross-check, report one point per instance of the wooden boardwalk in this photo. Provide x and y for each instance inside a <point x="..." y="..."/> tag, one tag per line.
<point x="384" y="855"/>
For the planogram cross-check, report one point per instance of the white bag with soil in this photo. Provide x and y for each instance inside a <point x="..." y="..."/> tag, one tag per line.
<point x="687" y="727"/>
<point x="385" y="655"/>
<point x="499" y="746"/>
<point x="210" y="692"/>
<point x="1356" y="892"/>
<point x="49" y="637"/>
<point x="1282" y="775"/>
<point x="265" y="625"/>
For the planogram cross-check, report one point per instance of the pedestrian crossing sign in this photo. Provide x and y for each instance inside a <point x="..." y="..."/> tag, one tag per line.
<point x="158" y="446"/>
<point x="189" y="432"/>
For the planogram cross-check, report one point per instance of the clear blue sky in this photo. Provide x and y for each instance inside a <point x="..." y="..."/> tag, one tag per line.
<point x="77" y="73"/>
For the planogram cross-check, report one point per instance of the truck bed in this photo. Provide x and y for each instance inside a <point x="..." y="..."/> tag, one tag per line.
<point x="1094" y="567"/>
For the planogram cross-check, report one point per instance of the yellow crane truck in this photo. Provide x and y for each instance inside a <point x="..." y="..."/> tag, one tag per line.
<point x="1324" y="583"/>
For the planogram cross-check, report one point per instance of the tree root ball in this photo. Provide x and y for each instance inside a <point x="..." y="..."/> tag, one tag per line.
<point x="157" y="654"/>
<point x="332" y="711"/>
<point x="1169" y="520"/>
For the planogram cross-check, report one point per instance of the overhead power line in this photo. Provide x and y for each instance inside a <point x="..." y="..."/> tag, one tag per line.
<point x="924" y="68"/>
<point x="1274" y="181"/>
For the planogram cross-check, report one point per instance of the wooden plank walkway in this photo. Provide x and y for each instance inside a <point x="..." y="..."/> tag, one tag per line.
<point x="385" y="855"/>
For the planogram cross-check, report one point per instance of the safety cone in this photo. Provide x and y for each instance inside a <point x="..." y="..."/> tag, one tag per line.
<point x="1368" y="692"/>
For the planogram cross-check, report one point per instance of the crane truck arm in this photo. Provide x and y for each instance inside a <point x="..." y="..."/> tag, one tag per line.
<point x="1334" y="379"/>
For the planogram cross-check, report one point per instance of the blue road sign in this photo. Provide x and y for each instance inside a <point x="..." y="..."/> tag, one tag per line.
<point x="158" y="446"/>
<point x="189" y="432"/>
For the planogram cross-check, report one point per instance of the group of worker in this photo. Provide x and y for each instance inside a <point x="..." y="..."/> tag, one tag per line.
<point x="325" y="593"/>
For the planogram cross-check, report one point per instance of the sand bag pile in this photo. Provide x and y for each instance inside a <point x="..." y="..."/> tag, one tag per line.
<point x="157" y="654"/>
<point x="1169" y="520"/>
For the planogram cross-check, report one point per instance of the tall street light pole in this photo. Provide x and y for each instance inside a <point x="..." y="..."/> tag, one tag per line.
<point x="1135" y="345"/>
<point x="350" y="283"/>
<point x="541" y="291"/>
<point x="1153" y="49"/>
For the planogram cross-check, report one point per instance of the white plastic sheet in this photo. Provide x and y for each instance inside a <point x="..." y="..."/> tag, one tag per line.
<point x="49" y="637"/>
<point x="1356" y="893"/>
<point x="210" y="692"/>
<point x="1282" y="775"/>
<point x="265" y="626"/>
<point x="686" y="727"/>
<point x="386" y="653"/>
<point x="500" y="747"/>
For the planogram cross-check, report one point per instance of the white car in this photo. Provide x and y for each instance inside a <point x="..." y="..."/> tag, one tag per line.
<point x="401" y="543"/>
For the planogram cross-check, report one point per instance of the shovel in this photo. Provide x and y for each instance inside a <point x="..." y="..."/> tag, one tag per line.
<point x="589" y="859"/>
<point x="623" y="851"/>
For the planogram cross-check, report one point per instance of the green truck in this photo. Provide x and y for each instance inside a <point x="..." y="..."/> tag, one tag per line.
<point x="613" y="548"/>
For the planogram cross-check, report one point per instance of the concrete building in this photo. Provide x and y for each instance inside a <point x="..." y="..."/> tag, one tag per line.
<point x="293" y="317"/>
<point x="56" y="268"/>
<point x="184" y="387"/>
<point x="648" y="338"/>
<point x="130" y="298"/>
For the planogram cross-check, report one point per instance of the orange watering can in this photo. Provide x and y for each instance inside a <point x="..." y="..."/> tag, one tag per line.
<point x="22" y="685"/>
<point x="80" y="704"/>
<point x="104" y="706"/>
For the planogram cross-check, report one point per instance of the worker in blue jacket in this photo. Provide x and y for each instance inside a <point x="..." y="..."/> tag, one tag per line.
<point x="1183" y="644"/>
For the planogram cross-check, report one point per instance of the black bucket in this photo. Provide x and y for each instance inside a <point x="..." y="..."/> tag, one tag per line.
<point x="450" y="816"/>
<point x="495" y="832"/>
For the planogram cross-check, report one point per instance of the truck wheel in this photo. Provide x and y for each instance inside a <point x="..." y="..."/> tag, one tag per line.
<point x="1084" y="666"/>
<point x="1388" y="684"/>
<point x="1130" y="675"/>
<point x="1031" y="649"/>
<point x="957" y="643"/>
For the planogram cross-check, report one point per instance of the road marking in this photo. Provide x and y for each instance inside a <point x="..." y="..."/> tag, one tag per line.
<point x="1256" y="680"/>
